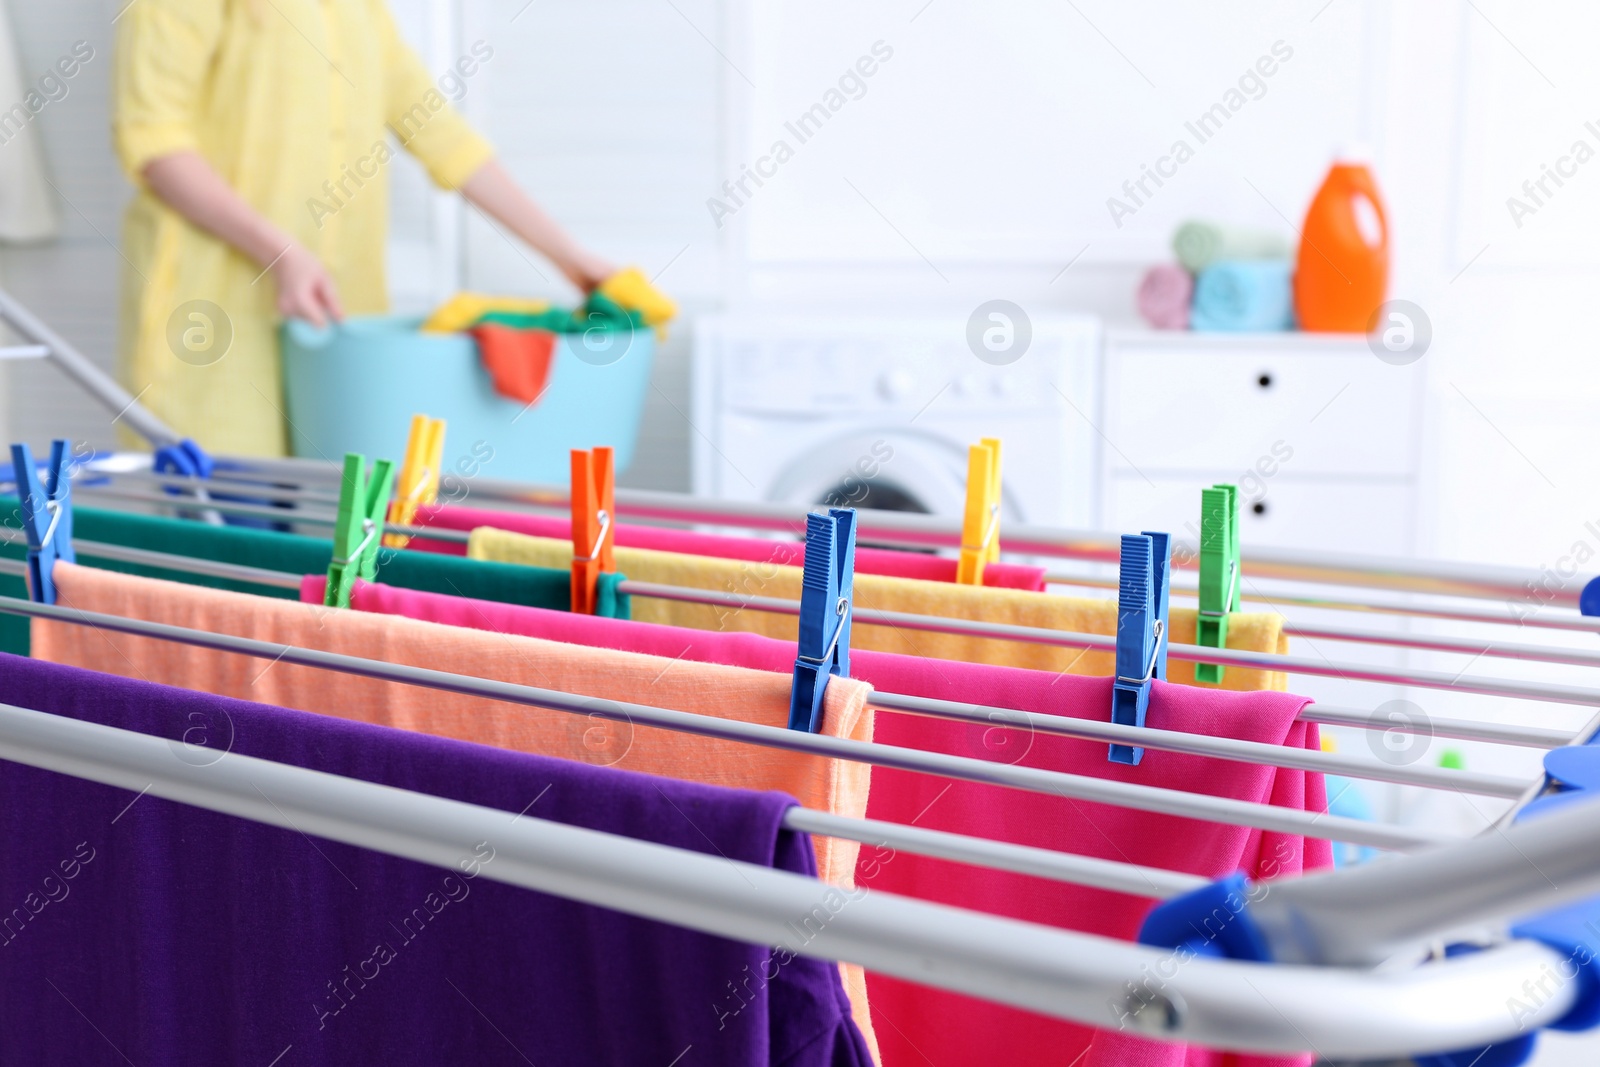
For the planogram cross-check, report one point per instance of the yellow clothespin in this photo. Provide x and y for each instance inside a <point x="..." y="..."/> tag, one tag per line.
<point x="419" y="476"/>
<point x="980" y="526"/>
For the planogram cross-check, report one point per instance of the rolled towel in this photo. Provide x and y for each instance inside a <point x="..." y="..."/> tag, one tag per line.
<point x="1164" y="296"/>
<point x="1243" y="296"/>
<point x="1198" y="244"/>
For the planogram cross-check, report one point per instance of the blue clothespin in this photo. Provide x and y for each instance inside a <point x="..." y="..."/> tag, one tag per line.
<point x="825" y="594"/>
<point x="46" y="516"/>
<point x="1142" y="598"/>
<point x="186" y="458"/>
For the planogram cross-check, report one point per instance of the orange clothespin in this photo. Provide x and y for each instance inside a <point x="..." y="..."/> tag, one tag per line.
<point x="419" y="475"/>
<point x="980" y="524"/>
<point x="593" y="526"/>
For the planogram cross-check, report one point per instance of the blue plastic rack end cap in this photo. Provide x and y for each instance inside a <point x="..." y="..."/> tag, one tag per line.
<point x="1573" y="931"/>
<point x="186" y="458"/>
<point x="1209" y="921"/>
<point x="1589" y="599"/>
<point x="1143" y="594"/>
<point x="46" y="511"/>
<point x="826" y="590"/>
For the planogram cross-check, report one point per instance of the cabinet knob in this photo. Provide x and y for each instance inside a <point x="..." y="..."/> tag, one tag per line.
<point x="1265" y="380"/>
<point x="1259" y="507"/>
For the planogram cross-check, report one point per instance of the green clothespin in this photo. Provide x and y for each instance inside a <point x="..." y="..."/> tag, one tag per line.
<point x="1219" y="572"/>
<point x="358" y="533"/>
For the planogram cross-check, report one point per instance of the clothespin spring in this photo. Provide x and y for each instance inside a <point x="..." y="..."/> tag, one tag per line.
<point x="418" y="491"/>
<point x="54" y="508"/>
<point x="839" y="609"/>
<point x="989" y="531"/>
<point x="1155" y="656"/>
<point x="605" y="525"/>
<point x="369" y="530"/>
<point x="1233" y="591"/>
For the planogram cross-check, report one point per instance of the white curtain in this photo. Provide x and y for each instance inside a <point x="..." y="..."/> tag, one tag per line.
<point x="27" y="203"/>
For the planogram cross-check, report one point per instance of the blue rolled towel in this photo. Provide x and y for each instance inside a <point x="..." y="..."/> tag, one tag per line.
<point x="1244" y="296"/>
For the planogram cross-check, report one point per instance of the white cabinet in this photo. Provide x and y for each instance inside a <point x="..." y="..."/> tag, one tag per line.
<point x="1320" y="435"/>
<point x="1350" y="515"/>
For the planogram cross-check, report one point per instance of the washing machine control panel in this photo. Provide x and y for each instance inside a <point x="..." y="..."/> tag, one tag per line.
<point x="802" y="411"/>
<point x="841" y="374"/>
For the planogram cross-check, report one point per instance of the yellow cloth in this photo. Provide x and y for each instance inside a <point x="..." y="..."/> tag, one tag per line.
<point x="292" y="102"/>
<point x="465" y="309"/>
<point x="634" y="292"/>
<point x="1247" y="631"/>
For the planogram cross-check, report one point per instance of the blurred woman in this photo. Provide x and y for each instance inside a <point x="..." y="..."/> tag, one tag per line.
<point x="258" y="135"/>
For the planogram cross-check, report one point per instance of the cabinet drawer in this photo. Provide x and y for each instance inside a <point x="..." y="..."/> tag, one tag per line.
<point x="1334" y="407"/>
<point x="1339" y="516"/>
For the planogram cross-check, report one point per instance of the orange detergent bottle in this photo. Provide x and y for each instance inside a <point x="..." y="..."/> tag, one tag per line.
<point x="1342" y="270"/>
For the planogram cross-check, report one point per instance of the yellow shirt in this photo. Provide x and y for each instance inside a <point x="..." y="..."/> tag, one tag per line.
<point x="292" y="101"/>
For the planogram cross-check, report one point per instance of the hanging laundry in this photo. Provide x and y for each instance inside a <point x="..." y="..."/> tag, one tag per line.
<point x="918" y="1024"/>
<point x="829" y="785"/>
<point x="292" y="554"/>
<point x="1251" y="631"/>
<point x="791" y="553"/>
<point x="191" y="937"/>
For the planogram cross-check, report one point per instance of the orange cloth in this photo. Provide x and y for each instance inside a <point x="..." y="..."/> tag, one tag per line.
<point x="518" y="361"/>
<point x="825" y="784"/>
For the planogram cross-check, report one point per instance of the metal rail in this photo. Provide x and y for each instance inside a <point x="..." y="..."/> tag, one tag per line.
<point x="1440" y="577"/>
<point x="1266" y="661"/>
<point x="1354" y="602"/>
<point x="1224" y="748"/>
<point x="1029" y="779"/>
<point x="1227" y="748"/>
<point x="1092" y="980"/>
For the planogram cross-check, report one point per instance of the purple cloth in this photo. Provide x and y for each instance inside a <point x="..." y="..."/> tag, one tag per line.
<point x="137" y="930"/>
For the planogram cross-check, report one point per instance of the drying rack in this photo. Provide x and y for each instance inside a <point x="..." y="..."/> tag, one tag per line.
<point x="1326" y="930"/>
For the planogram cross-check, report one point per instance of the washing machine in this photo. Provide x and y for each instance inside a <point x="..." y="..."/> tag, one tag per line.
<point x="879" y="412"/>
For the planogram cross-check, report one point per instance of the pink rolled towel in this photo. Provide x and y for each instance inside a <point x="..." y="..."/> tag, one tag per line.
<point x="1164" y="296"/>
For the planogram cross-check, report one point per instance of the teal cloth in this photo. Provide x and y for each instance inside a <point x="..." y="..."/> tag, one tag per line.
<point x="508" y="583"/>
<point x="1244" y="296"/>
<point x="599" y="312"/>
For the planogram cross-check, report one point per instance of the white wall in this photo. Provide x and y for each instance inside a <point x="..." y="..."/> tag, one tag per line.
<point x="986" y="146"/>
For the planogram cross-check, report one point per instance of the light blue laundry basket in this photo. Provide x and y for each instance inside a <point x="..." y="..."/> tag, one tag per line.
<point x="354" y="387"/>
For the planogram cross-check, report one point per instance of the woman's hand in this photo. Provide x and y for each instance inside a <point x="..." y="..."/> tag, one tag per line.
<point x="586" y="270"/>
<point x="305" y="288"/>
<point x="188" y="184"/>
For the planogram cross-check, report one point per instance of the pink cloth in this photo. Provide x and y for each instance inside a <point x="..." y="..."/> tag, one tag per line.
<point x="1164" y="296"/>
<point x="917" y="1024"/>
<point x="886" y="561"/>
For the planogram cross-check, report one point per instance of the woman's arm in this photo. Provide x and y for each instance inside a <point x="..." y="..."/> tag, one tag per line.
<point x="188" y="184"/>
<point x="492" y="189"/>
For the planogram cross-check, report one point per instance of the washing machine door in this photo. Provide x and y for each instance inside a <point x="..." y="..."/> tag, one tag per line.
<point x="890" y="470"/>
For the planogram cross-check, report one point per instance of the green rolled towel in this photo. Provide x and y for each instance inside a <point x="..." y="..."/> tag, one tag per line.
<point x="1199" y="244"/>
